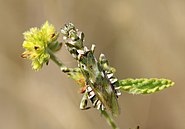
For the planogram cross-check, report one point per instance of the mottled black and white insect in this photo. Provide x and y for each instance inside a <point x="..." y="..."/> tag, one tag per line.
<point x="99" y="76"/>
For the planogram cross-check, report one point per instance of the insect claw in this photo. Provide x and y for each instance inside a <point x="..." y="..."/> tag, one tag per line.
<point x="86" y="108"/>
<point x="93" y="48"/>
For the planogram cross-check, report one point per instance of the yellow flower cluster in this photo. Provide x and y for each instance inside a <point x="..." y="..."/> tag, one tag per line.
<point x="36" y="44"/>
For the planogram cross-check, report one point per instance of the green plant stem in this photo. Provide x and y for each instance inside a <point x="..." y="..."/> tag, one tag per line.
<point x="59" y="62"/>
<point x="109" y="119"/>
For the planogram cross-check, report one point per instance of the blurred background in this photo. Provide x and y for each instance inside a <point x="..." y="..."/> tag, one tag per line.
<point x="144" y="38"/>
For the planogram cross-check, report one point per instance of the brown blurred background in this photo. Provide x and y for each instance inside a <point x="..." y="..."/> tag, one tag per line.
<point x="141" y="38"/>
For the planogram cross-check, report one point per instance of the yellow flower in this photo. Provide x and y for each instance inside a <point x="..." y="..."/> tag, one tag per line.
<point x="37" y="42"/>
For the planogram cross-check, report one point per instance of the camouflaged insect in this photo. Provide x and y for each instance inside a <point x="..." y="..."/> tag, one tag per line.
<point x="99" y="76"/>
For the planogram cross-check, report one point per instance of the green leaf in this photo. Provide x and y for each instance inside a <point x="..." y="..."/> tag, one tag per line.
<point x="144" y="85"/>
